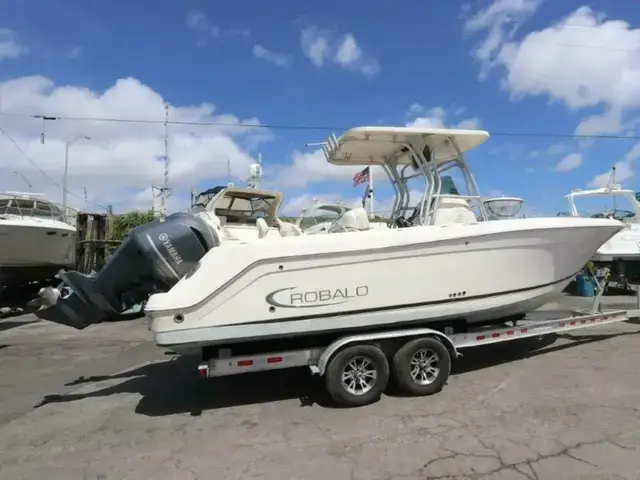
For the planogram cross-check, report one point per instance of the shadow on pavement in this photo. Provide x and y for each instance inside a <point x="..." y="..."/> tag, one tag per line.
<point x="173" y="386"/>
<point x="8" y="324"/>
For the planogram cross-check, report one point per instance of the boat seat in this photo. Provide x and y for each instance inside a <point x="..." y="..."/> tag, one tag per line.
<point x="263" y="228"/>
<point x="454" y="210"/>
<point x="351" y="221"/>
<point x="288" y="229"/>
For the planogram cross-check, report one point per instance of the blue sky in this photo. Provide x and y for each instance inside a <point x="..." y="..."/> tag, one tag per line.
<point x="507" y="66"/>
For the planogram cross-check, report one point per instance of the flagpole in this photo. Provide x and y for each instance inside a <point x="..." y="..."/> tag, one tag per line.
<point x="371" y="192"/>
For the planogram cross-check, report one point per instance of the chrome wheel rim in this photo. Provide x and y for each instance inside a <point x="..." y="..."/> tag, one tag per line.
<point x="425" y="366"/>
<point x="359" y="375"/>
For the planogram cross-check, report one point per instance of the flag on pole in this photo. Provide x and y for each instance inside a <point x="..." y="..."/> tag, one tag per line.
<point x="365" y="195"/>
<point x="361" y="177"/>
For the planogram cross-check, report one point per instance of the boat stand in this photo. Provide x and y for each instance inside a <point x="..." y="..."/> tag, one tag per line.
<point x="601" y="279"/>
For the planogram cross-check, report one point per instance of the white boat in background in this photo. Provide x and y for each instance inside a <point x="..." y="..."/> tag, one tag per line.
<point x="622" y="251"/>
<point x="243" y="213"/>
<point x="36" y="239"/>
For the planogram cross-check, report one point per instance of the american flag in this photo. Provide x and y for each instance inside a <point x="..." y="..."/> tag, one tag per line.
<point x="361" y="177"/>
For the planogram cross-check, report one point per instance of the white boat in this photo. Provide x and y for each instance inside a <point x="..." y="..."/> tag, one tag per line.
<point x="621" y="253"/>
<point x="625" y="245"/>
<point x="36" y="240"/>
<point x="243" y="214"/>
<point x="439" y="265"/>
<point x="382" y="277"/>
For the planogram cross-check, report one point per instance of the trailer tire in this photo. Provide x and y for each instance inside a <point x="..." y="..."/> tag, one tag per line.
<point x="360" y="388"/>
<point x="422" y="366"/>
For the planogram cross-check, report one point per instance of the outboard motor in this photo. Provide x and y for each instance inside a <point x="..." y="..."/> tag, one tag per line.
<point x="151" y="259"/>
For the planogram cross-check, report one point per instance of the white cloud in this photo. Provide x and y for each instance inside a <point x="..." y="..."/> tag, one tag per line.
<point x="205" y="29"/>
<point x="501" y="19"/>
<point x="469" y="124"/>
<point x="323" y="46"/>
<point x="436" y="117"/>
<point x="624" y="168"/>
<point x="415" y="109"/>
<point x="278" y="59"/>
<point x="314" y="45"/>
<point x="570" y="162"/>
<point x="121" y="160"/>
<point x="76" y="52"/>
<point x="312" y="167"/>
<point x="557" y="148"/>
<point x="607" y="123"/>
<point x="349" y="52"/>
<point x="459" y="111"/>
<point x="200" y="24"/>
<point x="584" y="60"/>
<point x="9" y="46"/>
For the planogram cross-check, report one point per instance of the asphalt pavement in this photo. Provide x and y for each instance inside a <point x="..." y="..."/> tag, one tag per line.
<point x="106" y="403"/>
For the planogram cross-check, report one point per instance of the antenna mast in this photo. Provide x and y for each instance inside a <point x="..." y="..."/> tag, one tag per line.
<point x="229" y="182"/>
<point x="164" y="192"/>
<point x="255" y="173"/>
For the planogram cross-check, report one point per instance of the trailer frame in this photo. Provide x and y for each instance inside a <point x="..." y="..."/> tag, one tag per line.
<point x="391" y="352"/>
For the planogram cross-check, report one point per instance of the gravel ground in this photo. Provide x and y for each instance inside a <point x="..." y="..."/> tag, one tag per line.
<point x="106" y="403"/>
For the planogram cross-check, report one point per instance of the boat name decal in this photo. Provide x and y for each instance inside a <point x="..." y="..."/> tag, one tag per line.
<point x="317" y="298"/>
<point x="171" y="250"/>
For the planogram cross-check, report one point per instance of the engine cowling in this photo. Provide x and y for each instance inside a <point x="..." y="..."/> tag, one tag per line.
<point x="151" y="259"/>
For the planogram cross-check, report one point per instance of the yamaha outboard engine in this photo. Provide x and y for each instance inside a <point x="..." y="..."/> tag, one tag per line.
<point x="151" y="259"/>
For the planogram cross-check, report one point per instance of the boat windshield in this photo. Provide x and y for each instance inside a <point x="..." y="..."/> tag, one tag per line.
<point x="244" y="207"/>
<point x="504" y="208"/>
<point x="319" y="214"/>
<point x="30" y="207"/>
<point x="201" y="201"/>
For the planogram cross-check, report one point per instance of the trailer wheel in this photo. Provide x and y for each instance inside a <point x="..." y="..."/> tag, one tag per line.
<point x="357" y="375"/>
<point x="422" y="366"/>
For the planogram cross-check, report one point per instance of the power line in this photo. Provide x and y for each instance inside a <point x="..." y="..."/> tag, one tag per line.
<point x="45" y="174"/>
<point x="295" y="127"/>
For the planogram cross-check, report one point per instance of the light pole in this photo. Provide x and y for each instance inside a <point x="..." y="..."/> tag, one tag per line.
<point x="66" y="169"/>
